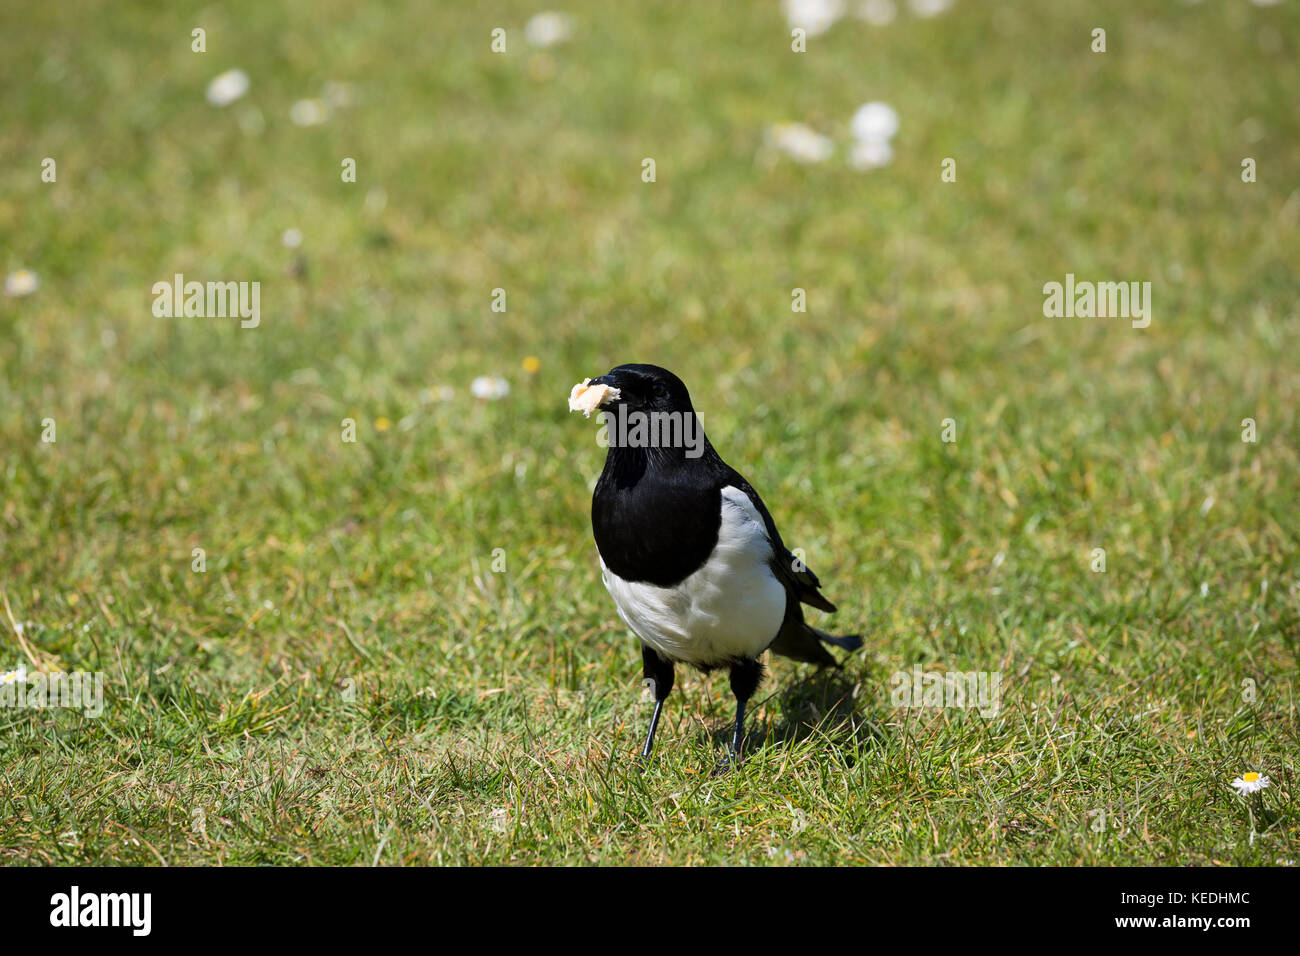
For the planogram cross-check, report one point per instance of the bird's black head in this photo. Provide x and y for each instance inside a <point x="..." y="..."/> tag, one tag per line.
<point x="648" y="423"/>
<point x="646" y="388"/>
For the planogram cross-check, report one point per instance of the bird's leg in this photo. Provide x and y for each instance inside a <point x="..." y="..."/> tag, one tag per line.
<point x="738" y="735"/>
<point x="650" y="736"/>
<point x="745" y="676"/>
<point x="659" y="677"/>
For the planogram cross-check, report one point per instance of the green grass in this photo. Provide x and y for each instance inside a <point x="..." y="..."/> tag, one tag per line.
<point x="350" y="681"/>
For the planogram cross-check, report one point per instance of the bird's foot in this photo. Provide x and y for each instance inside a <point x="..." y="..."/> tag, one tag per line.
<point x="728" y="763"/>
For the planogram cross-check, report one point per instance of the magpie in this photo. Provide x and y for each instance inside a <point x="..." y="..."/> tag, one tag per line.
<point x="688" y="551"/>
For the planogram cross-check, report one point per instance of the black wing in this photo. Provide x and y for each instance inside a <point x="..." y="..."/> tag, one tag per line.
<point x="797" y="577"/>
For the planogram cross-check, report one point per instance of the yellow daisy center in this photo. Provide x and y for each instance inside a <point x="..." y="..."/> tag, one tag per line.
<point x="1250" y="777"/>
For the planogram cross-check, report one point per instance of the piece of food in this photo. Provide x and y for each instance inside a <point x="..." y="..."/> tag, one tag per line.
<point x="586" y="398"/>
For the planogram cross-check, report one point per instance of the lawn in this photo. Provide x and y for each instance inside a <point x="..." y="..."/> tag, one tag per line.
<point x="398" y="650"/>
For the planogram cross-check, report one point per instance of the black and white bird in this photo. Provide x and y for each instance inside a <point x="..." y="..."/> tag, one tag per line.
<point x="688" y="551"/>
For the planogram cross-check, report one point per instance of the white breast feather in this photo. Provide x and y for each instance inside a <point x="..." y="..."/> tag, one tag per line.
<point x="730" y="607"/>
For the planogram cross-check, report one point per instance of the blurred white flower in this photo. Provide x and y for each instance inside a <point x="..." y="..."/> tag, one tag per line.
<point x="443" y="393"/>
<point x="929" y="8"/>
<point x="376" y="200"/>
<point x="799" y="142"/>
<point x="815" y="17"/>
<point x="337" y="95"/>
<point x="874" y="122"/>
<point x="22" y="282"/>
<point x="14" y="677"/>
<point x="292" y="238"/>
<point x="228" y="87"/>
<point x="878" y="13"/>
<point x="548" y="29"/>
<point x="308" y="113"/>
<point x="1266" y="3"/>
<point x="250" y="119"/>
<point x="1249" y="783"/>
<point x="870" y="154"/>
<point x="489" y="387"/>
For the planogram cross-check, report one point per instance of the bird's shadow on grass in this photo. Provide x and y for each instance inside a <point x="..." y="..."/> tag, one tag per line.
<point x="821" y="702"/>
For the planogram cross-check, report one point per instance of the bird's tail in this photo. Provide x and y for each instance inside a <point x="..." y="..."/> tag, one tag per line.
<point x="848" y="642"/>
<point x="800" y="641"/>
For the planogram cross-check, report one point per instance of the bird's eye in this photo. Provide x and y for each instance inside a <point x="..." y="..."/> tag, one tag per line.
<point x="660" y="390"/>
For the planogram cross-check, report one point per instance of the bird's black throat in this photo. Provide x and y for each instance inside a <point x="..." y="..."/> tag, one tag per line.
<point x="656" y="513"/>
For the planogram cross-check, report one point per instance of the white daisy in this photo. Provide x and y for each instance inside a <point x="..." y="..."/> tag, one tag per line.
<point x="292" y="238"/>
<point x="1249" y="783"/>
<point x="443" y="393"/>
<point x="20" y="283"/>
<point x="376" y="200"/>
<point x="548" y="29"/>
<point x="870" y="154"/>
<point x="228" y="87"/>
<point x="929" y="8"/>
<point x="337" y="95"/>
<point x="308" y="113"/>
<point x="879" y="13"/>
<point x="14" y="677"/>
<point x="251" y="121"/>
<point x="799" y="142"/>
<point x="874" y="122"/>
<point x="489" y="388"/>
<point x="815" y="17"/>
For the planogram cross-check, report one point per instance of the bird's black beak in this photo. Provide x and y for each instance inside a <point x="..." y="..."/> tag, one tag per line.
<point x="611" y="382"/>
<point x="589" y="395"/>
